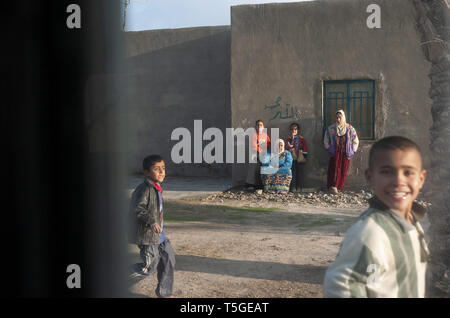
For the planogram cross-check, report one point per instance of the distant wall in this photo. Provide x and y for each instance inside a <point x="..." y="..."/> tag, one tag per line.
<point x="177" y="76"/>
<point x="289" y="49"/>
<point x="171" y="77"/>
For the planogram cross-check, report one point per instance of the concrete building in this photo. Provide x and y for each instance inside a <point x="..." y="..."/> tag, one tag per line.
<point x="176" y="77"/>
<point x="315" y="56"/>
<point x="281" y="63"/>
<point x="170" y="78"/>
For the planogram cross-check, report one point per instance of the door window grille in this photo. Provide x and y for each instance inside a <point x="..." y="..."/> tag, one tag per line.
<point x="357" y="99"/>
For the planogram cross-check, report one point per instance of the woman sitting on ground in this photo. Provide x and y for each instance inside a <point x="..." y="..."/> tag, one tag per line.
<point x="277" y="177"/>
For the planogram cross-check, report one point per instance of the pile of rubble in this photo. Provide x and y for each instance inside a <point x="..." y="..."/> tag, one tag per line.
<point x="317" y="198"/>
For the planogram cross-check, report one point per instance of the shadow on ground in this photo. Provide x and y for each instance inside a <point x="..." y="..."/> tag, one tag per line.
<point x="251" y="269"/>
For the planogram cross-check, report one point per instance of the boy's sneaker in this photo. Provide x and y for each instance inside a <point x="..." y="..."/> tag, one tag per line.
<point x="141" y="273"/>
<point x="135" y="275"/>
<point x="161" y="296"/>
<point x="138" y="271"/>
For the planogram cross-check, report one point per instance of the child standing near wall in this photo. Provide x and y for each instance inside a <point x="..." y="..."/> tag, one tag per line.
<point x="384" y="253"/>
<point x="260" y="144"/>
<point x="297" y="146"/>
<point x="146" y="209"/>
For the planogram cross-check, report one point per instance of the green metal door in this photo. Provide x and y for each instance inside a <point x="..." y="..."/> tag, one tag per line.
<point x="357" y="99"/>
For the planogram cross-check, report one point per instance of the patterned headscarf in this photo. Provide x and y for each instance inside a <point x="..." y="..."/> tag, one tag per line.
<point x="341" y="129"/>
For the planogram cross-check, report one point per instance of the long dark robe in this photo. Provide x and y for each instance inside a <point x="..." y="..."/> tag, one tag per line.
<point x="338" y="165"/>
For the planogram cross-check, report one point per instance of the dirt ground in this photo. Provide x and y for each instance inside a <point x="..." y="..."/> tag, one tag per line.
<point x="250" y="247"/>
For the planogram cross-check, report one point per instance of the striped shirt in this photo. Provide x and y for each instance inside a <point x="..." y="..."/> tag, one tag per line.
<point x="382" y="255"/>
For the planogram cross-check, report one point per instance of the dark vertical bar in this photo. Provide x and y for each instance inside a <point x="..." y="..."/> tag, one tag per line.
<point x="367" y="109"/>
<point x="360" y="108"/>
<point x="325" y="105"/>
<point x="348" y="97"/>
<point x="353" y="107"/>
<point x="373" y="109"/>
<point x="51" y="221"/>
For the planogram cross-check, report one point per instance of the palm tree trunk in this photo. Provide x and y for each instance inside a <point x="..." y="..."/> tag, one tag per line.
<point x="433" y="17"/>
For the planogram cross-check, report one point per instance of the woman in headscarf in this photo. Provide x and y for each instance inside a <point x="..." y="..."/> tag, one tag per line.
<point x="342" y="142"/>
<point x="277" y="177"/>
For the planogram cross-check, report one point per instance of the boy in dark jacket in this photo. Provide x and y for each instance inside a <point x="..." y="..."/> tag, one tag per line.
<point x="146" y="208"/>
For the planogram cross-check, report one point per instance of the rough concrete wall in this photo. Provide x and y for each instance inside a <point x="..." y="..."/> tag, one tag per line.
<point x="288" y="50"/>
<point x="177" y="76"/>
<point x="171" y="78"/>
<point x="433" y="21"/>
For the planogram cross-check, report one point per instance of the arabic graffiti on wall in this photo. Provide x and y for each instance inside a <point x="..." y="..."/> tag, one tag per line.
<point x="283" y="113"/>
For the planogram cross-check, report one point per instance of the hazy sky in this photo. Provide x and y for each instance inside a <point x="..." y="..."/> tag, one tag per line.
<point x="168" y="14"/>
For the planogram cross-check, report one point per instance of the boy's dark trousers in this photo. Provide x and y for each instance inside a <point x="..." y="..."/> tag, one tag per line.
<point x="160" y="257"/>
<point x="297" y="176"/>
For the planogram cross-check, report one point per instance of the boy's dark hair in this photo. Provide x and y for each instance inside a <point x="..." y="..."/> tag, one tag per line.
<point x="295" y="124"/>
<point x="259" y="120"/>
<point x="150" y="161"/>
<point x="392" y="143"/>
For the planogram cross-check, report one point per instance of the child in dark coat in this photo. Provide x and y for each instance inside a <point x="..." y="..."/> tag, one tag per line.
<point x="146" y="209"/>
<point x="296" y="144"/>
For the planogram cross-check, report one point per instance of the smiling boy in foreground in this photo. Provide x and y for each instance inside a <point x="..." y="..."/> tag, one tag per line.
<point x="384" y="253"/>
